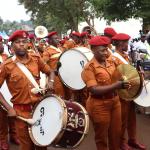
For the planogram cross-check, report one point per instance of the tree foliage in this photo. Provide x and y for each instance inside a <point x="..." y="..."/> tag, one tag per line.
<point x="116" y="10"/>
<point x="60" y="15"/>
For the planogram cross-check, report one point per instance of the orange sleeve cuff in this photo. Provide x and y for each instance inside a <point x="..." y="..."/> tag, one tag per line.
<point x="91" y="83"/>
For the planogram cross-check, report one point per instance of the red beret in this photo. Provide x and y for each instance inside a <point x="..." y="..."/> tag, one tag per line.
<point x="31" y="36"/>
<point x="110" y="31"/>
<point x="121" y="37"/>
<point x="1" y="38"/>
<point x="99" y="41"/>
<point x="76" y="34"/>
<point x="83" y="34"/>
<point x="18" y="34"/>
<point x="51" y="34"/>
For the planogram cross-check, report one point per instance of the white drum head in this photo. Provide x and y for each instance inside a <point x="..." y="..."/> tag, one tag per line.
<point x="87" y="52"/>
<point x="72" y="63"/>
<point x="144" y="98"/>
<point x="50" y="113"/>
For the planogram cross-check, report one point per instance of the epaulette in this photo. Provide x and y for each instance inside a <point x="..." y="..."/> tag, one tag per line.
<point x="8" y="60"/>
<point x="34" y="55"/>
<point x="89" y="64"/>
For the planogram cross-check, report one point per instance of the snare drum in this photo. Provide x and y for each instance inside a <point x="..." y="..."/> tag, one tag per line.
<point x="72" y="64"/>
<point x="59" y="123"/>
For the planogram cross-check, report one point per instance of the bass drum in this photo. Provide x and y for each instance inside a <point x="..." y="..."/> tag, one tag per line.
<point x="72" y="63"/>
<point x="144" y="98"/>
<point x="59" y="123"/>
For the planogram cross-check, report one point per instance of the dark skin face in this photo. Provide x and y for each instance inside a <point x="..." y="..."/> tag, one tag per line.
<point x="76" y="39"/>
<point x="123" y="46"/>
<point x="143" y="38"/>
<point x="1" y="47"/>
<point x="100" y="53"/>
<point x="54" y="40"/>
<point x="20" y="46"/>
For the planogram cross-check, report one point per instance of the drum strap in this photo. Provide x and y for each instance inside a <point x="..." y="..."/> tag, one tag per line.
<point x="55" y="48"/>
<point x="1" y="59"/>
<point x="58" y="50"/>
<point x="29" y="76"/>
<point x="120" y="57"/>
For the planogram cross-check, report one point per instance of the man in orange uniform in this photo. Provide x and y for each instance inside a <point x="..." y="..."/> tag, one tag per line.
<point x="84" y="39"/>
<point x="103" y="104"/>
<point x="110" y="32"/>
<point x="74" y="41"/>
<point x="7" y="125"/>
<point x="50" y="56"/>
<point x="20" y="86"/>
<point x="128" y="108"/>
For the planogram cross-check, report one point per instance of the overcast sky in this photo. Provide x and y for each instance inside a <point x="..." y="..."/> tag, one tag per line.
<point x="10" y="10"/>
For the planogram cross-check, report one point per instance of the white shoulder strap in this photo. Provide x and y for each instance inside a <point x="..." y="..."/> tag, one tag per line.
<point x="57" y="49"/>
<point x="120" y="57"/>
<point x="1" y="59"/>
<point x="29" y="76"/>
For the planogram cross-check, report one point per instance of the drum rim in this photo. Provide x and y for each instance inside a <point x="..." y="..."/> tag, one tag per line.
<point x="87" y="122"/>
<point x="139" y="95"/>
<point x="141" y="86"/>
<point x="59" y="71"/>
<point x="64" y="120"/>
<point x="86" y="128"/>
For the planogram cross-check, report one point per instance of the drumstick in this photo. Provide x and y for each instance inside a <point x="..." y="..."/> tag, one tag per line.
<point x="145" y="86"/>
<point x="29" y="121"/>
<point x="144" y="82"/>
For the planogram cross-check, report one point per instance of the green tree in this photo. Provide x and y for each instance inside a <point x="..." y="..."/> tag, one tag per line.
<point x="114" y="10"/>
<point x="60" y="15"/>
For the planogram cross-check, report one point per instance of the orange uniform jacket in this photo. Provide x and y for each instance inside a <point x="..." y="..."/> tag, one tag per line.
<point x="18" y="84"/>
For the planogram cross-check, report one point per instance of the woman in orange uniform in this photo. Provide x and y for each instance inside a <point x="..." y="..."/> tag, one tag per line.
<point x="103" y="104"/>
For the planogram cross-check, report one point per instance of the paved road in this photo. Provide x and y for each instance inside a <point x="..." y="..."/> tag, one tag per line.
<point x="143" y="129"/>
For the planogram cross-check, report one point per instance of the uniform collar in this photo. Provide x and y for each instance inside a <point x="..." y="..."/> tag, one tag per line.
<point x="97" y="64"/>
<point x="16" y="59"/>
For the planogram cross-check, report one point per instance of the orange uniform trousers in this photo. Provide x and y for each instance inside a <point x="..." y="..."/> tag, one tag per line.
<point x="23" y="133"/>
<point x="106" y="117"/>
<point x="128" y="120"/>
<point x="7" y="126"/>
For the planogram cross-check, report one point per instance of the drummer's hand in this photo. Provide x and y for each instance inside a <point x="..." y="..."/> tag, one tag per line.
<point x="11" y="112"/>
<point x="123" y="85"/>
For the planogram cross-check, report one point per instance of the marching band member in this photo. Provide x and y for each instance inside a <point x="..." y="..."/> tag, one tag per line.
<point x="84" y="37"/>
<point x="103" y="104"/>
<point x="16" y="72"/>
<point x="110" y="32"/>
<point x="50" y="56"/>
<point x="7" y="125"/>
<point x="74" y="41"/>
<point x="127" y="107"/>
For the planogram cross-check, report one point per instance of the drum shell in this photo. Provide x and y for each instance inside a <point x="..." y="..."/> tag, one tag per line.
<point x="77" y="126"/>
